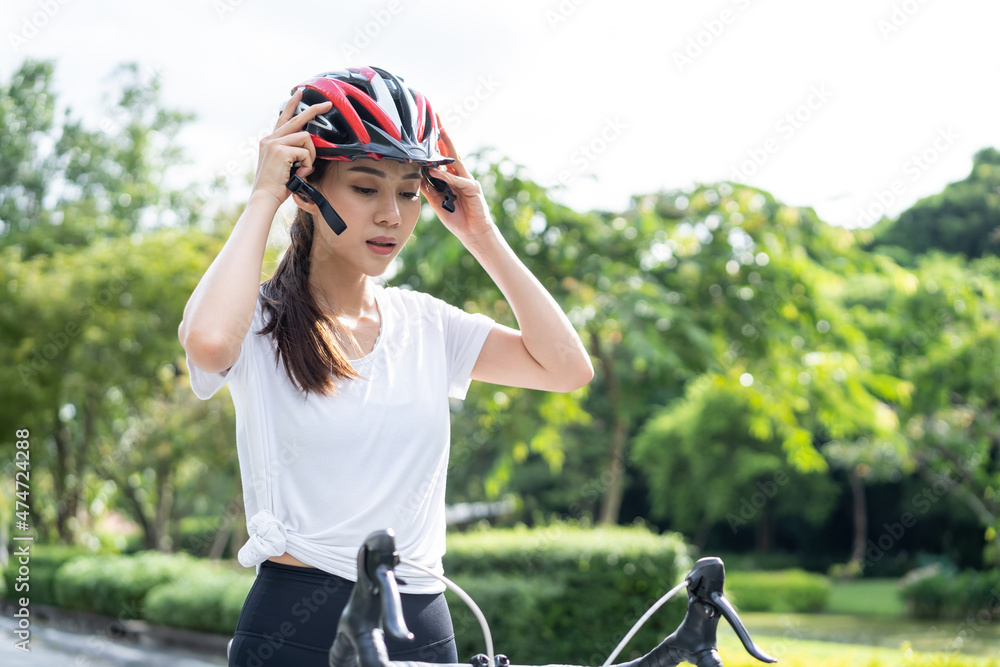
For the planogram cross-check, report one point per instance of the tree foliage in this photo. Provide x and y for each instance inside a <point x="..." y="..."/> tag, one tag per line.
<point x="964" y="218"/>
<point x="747" y="354"/>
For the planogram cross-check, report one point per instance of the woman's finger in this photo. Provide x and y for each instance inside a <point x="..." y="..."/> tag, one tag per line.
<point x="289" y="109"/>
<point x="297" y="123"/>
<point x="302" y="142"/>
<point x="457" y="167"/>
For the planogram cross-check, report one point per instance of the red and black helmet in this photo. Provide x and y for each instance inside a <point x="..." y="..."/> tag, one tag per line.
<point x="373" y="115"/>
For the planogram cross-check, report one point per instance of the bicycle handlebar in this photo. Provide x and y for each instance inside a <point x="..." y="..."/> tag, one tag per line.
<point x="375" y="602"/>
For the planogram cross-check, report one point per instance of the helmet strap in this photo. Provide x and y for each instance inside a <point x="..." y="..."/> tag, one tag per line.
<point x="300" y="187"/>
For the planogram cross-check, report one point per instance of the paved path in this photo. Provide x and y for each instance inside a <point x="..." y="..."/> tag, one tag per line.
<point x="52" y="647"/>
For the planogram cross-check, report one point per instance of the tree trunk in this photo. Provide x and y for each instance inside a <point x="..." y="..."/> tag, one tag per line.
<point x="860" y="518"/>
<point x="701" y="535"/>
<point x="614" y="473"/>
<point x="138" y="513"/>
<point x="164" y="506"/>
<point x="613" y="476"/>
<point x="765" y="538"/>
<point x="59" y="476"/>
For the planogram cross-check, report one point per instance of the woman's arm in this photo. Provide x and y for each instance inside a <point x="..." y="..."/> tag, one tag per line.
<point x="220" y="311"/>
<point x="546" y="353"/>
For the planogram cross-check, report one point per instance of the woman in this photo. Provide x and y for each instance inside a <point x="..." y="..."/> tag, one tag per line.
<point x="350" y="433"/>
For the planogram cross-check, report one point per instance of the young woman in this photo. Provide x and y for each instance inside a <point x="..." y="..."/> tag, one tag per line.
<point x="349" y="433"/>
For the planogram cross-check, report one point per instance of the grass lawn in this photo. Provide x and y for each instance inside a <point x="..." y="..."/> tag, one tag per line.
<point x="866" y="597"/>
<point x="864" y="624"/>
<point x="805" y="653"/>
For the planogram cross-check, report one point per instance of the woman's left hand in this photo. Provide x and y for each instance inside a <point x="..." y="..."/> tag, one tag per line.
<point x="472" y="214"/>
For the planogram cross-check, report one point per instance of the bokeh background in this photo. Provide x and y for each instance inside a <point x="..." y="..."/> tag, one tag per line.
<point x="775" y="225"/>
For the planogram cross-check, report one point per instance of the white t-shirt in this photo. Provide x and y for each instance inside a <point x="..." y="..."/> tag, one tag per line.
<point x="322" y="473"/>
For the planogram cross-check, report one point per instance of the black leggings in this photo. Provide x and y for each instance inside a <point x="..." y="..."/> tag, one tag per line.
<point x="290" y="619"/>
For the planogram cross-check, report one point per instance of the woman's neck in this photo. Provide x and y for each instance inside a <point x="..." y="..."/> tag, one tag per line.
<point x="352" y="300"/>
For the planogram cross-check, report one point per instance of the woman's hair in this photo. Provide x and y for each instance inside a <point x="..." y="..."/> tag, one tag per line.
<point x="312" y="356"/>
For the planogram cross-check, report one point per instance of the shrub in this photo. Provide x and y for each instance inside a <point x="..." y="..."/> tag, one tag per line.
<point x="197" y="533"/>
<point x="563" y="593"/>
<point x="116" y="585"/>
<point x="45" y="561"/>
<point x="787" y="591"/>
<point x="205" y="598"/>
<point x="515" y="608"/>
<point x="933" y="593"/>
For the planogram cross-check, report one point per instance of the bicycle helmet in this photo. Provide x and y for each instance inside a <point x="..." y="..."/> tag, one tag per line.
<point x="373" y="116"/>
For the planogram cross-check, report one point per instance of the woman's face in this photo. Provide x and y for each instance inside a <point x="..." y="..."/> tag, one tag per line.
<point x="379" y="201"/>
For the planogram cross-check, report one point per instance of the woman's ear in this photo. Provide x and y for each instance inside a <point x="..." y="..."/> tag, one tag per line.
<point x="306" y="204"/>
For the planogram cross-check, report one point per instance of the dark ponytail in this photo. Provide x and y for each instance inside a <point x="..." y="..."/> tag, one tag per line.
<point x="312" y="356"/>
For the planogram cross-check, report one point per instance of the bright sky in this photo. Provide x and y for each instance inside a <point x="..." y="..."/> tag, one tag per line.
<point x="835" y="105"/>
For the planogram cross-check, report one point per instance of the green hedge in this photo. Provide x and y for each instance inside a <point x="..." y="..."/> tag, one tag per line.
<point x="563" y="593"/>
<point x="933" y="594"/>
<point x="45" y="560"/>
<point x="116" y="585"/>
<point x="517" y="610"/>
<point x="787" y="591"/>
<point x="206" y="598"/>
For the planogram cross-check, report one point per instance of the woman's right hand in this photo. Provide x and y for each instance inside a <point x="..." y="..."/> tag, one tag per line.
<point x="285" y="146"/>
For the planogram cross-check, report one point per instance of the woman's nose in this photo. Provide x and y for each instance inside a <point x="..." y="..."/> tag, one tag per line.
<point x="388" y="211"/>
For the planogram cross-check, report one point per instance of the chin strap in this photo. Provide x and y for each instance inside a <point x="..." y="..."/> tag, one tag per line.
<point x="303" y="189"/>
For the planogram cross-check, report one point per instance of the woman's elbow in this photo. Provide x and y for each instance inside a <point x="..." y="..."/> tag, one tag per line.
<point x="576" y="379"/>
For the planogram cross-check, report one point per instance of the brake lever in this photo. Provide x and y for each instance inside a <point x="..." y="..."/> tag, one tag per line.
<point x="440" y="186"/>
<point x="302" y="189"/>
<point x="730" y="614"/>
<point x="698" y="631"/>
<point x="392" y="606"/>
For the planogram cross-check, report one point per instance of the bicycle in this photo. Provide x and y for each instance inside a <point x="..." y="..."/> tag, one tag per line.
<point x="375" y="603"/>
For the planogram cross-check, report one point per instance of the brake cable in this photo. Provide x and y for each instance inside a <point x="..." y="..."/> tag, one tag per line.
<point x="645" y="617"/>
<point x="465" y="598"/>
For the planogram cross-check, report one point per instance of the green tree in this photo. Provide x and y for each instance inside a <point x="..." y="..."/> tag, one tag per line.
<point x="937" y="325"/>
<point x="708" y="465"/>
<point x="64" y="183"/>
<point x="963" y="218"/>
<point x="94" y="300"/>
<point x="761" y="281"/>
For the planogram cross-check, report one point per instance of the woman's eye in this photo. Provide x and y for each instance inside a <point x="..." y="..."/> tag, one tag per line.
<point x="410" y="195"/>
<point x="364" y="191"/>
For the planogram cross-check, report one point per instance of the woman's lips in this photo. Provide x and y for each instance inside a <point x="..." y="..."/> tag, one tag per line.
<point x="381" y="245"/>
